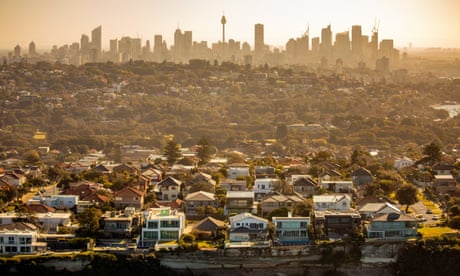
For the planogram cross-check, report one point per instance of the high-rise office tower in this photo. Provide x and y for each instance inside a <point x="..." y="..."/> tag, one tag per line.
<point x="386" y="48"/>
<point x="96" y="39"/>
<point x="374" y="44"/>
<point x="114" y="46"/>
<point x="84" y="44"/>
<point x="17" y="51"/>
<point x="326" y="42"/>
<point x="158" y="47"/>
<point x="223" y="21"/>
<point x="356" y="41"/>
<point x="315" y="46"/>
<point x="259" y="39"/>
<point x="32" y="49"/>
<point x="342" y="46"/>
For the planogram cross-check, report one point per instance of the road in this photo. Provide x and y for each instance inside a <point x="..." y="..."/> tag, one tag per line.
<point x="49" y="190"/>
<point x="420" y="208"/>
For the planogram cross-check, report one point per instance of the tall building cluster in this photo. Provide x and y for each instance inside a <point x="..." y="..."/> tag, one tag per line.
<point x="348" y="48"/>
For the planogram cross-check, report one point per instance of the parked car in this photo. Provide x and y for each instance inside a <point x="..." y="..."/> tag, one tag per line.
<point x="420" y="217"/>
<point x="435" y="217"/>
<point x="428" y="211"/>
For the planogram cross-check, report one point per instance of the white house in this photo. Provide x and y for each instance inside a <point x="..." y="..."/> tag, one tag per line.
<point x="247" y="227"/>
<point x="263" y="186"/>
<point x="340" y="202"/>
<point x="161" y="224"/>
<point x="238" y="172"/>
<point x="370" y="210"/>
<point x="52" y="221"/>
<point x="20" y="238"/>
<point x="403" y="162"/>
<point x="58" y="201"/>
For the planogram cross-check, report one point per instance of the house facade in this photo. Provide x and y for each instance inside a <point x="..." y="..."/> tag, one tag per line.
<point x="340" y="202"/>
<point x="336" y="224"/>
<point x="197" y="204"/>
<point x="20" y="238"/>
<point x="392" y="226"/>
<point x="168" y="189"/>
<point x="444" y="183"/>
<point x="117" y="224"/>
<point x="129" y="197"/>
<point x="240" y="202"/>
<point x="275" y="200"/>
<point x="338" y="186"/>
<point x="161" y="224"/>
<point x="247" y="227"/>
<point x="263" y="186"/>
<point x="304" y="185"/>
<point x="291" y="230"/>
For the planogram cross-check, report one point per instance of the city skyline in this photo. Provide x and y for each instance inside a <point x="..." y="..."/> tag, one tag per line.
<point x="52" y="22"/>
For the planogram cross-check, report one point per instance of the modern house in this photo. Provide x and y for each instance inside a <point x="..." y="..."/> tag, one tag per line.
<point x="238" y="171"/>
<point x="117" y="224"/>
<point x="336" y="224"/>
<point x="20" y="238"/>
<point x="52" y="221"/>
<point x="208" y="227"/>
<point x="246" y="227"/>
<point x="392" y="226"/>
<point x="291" y="230"/>
<point x="198" y="203"/>
<point x="240" y="202"/>
<point x="340" y="202"/>
<point x="161" y="224"/>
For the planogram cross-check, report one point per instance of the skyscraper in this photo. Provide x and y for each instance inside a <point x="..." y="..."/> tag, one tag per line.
<point x="84" y="44"/>
<point x="158" y="47"/>
<point x="96" y="39"/>
<point x="259" y="38"/>
<point x="356" y="41"/>
<point x="32" y="49"/>
<point x="326" y="42"/>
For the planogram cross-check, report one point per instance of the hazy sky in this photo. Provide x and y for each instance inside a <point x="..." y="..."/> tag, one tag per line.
<point x="424" y="23"/>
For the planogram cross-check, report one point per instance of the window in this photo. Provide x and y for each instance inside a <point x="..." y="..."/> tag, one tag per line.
<point x="11" y="240"/>
<point x="169" y="235"/>
<point x="169" y="223"/>
<point x="151" y="235"/>
<point x="152" y="224"/>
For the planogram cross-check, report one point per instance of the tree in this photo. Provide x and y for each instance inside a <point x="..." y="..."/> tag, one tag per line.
<point x="407" y="194"/>
<point x="204" y="150"/>
<point x="172" y="152"/>
<point x="32" y="157"/>
<point x="433" y="152"/>
<point x="89" y="222"/>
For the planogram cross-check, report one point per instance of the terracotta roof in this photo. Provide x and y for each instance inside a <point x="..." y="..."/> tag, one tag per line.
<point x="40" y="208"/>
<point x="20" y="226"/>
<point x="129" y="190"/>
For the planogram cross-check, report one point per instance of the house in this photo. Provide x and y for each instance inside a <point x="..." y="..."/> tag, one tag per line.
<point x="239" y="202"/>
<point x="336" y="224"/>
<point x="125" y="169"/>
<point x="56" y="201"/>
<point x="161" y="224"/>
<point x="392" y="226"/>
<point x="208" y="227"/>
<point x="150" y="177"/>
<point x="291" y="230"/>
<point x="275" y="200"/>
<point x="337" y="186"/>
<point x="230" y="184"/>
<point x="37" y="207"/>
<point x="263" y="186"/>
<point x="168" y="188"/>
<point x="304" y="185"/>
<point x="442" y="168"/>
<point x="52" y="221"/>
<point x="341" y="202"/>
<point x="238" y="171"/>
<point x="20" y="238"/>
<point x="197" y="204"/>
<point x="14" y="179"/>
<point x="361" y="176"/>
<point x="120" y="225"/>
<point x="370" y="210"/>
<point x="264" y="172"/>
<point x="129" y="197"/>
<point x="246" y="227"/>
<point x="444" y="183"/>
<point x="402" y="162"/>
<point x="200" y="179"/>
